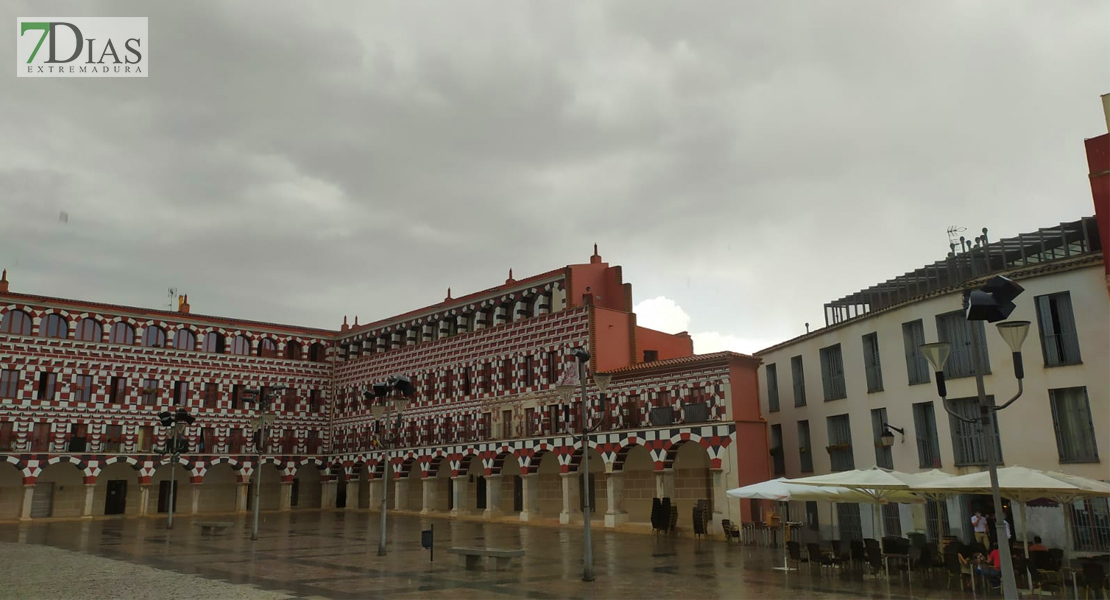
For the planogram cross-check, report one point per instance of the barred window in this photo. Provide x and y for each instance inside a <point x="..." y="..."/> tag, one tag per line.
<point x="871" y="363"/>
<point x="805" y="449"/>
<point x="798" y="375"/>
<point x="1075" y="431"/>
<point x="832" y="373"/>
<point x="840" y="443"/>
<point x="913" y="336"/>
<point x="955" y="329"/>
<point x="967" y="444"/>
<point x="772" y="389"/>
<point x="1059" y="341"/>
<point x="925" y="424"/>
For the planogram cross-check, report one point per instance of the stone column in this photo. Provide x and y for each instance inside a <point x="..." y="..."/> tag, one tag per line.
<point x="144" y="499"/>
<point x="614" y="491"/>
<point x="242" y="490"/>
<point x="194" y="505"/>
<point x="493" y="496"/>
<point x="460" y="495"/>
<point x="375" y="494"/>
<point x="286" y="495"/>
<point x="327" y="494"/>
<point x="428" y="496"/>
<point x="87" y="511"/>
<point x="400" y="493"/>
<point x="664" y="484"/>
<point x="568" y="480"/>
<point x="352" y="495"/>
<point x="719" y="500"/>
<point x="530" y="489"/>
<point x="28" y="498"/>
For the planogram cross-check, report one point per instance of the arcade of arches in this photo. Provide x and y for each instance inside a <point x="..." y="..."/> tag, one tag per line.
<point x="545" y="486"/>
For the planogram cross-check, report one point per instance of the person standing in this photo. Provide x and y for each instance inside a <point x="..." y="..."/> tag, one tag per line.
<point x="979" y="524"/>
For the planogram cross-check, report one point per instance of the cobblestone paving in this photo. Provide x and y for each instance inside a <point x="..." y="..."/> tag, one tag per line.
<point x="333" y="554"/>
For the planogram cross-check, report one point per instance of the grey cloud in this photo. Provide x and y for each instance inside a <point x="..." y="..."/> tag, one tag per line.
<point x="296" y="163"/>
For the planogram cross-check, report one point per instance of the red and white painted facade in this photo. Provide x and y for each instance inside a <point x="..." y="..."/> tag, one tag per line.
<point x="484" y="367"/>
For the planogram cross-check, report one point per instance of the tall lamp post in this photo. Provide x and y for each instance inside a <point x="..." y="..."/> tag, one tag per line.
<point x="992" y="303"/>
<point x="264" y="419"/>
<point x="385" y="397"/>
<point x="175" y="446"/>
<point x="601" y="380"/>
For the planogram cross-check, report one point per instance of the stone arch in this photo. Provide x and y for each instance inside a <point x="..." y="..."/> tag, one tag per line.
<point x="307" y="483"/>
<point x="11" y="490"/>
<point x="219" y="488"/>
<point x="107" y="485"/>
<point x="17" y="320"/>
<point x="271" y="473"/>
<point x="672" y="446"/>
<point x="598" y="481"/>
<point x="547" y="469"/>
<point x="67" y="480"/>
<point x="509" y="471"/>
<point x="506" y="456"/>
<point x="637" y="468"/>
<point x="361" y="470"/>
<point x="66" y="458"/>
<point x="692" y="478"/>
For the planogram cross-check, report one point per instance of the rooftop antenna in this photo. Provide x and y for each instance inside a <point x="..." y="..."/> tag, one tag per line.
<point x="172" y="294"/>
<point x="954" y="234"/>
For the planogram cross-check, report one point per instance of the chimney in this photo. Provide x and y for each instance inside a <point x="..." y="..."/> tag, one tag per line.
<point x="4" y="282"/>
<point x="596" y="258"/>
<point x="345" y="326"/>
<point x="183" y="304"/>
<point x="1106" y="110"/>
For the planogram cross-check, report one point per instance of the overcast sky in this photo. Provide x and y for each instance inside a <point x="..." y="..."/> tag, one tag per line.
<point x="745" y="162"/>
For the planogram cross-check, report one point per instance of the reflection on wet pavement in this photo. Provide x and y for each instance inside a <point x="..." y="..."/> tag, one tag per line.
<point x="334" y="554"/>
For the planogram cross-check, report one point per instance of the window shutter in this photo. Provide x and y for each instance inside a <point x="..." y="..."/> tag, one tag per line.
<point x="1049" y="341"/>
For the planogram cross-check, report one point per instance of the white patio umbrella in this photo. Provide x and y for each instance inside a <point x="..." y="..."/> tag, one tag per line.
<point x="1021" y="484"/>
<point x="875" y="485"/>
<point x="784" y="490"/>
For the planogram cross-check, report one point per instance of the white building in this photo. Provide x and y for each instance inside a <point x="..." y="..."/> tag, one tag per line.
<point x="828" y="394"/>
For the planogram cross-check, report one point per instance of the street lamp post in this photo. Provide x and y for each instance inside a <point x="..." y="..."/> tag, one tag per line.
<point x="992" y="303"/>
<point x="260" y="423"/>
<point x="175" y="446"/>
<point x="582" y="356"/>
<point x="384" y="398"/>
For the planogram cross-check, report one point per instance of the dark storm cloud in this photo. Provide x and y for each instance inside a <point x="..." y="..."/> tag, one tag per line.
<point x="749" y="161"/>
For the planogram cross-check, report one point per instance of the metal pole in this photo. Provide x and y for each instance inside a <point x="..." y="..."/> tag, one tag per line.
<point x="587" y="542"/>
<point x="1009" y="584"/>
<point x="258" y="466"/>
<point x="173" y="476"/>
<point x="385" y="479"/>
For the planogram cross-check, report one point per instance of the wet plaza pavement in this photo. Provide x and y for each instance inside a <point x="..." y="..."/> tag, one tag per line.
<point x="333" y="554"/>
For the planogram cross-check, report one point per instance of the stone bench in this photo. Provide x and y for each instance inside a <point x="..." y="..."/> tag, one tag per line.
<point x="500" y="557"/>
<point x="213" y="527"/>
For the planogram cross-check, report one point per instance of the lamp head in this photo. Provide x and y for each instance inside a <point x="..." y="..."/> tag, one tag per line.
<point x="581" y="355"/>
<point x="937" y="354"/>
<point x="994" y="301"/>
<point x="400" y="404"/>
<point x="378" y="409"/>
<point x="566" y="391"/>
<point x="1014" y="333"/>
<point x="381" y="389"/>
<point x="602" y="380"/>
<point x="403" y="384"/>
<point x="165" y="418"/>
<point x="886" y="439"/>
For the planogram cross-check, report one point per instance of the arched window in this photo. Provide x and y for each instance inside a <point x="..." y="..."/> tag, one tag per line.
<point x="122" y="333"/>
<point x="16" y="322"/>
<point x="316" y="352"/>
<point x="214" y="342"/>
<point x="185" y="340"/>
<point x="89" y="330"/>
<point x="267" y="348"/>
<point x="293" y="350"/>
<point x="154" y="337"/>
<point x="54" y="326"/>
<point x="241" y="345"/>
